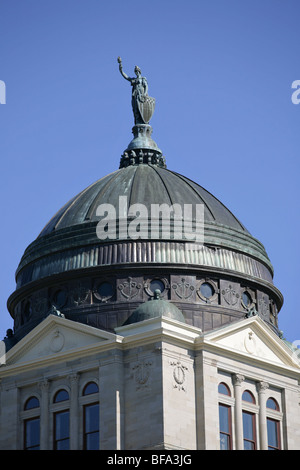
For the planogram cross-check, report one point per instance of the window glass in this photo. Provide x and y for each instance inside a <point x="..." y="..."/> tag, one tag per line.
<point x="60" y="298"/>
<point x="61" y="430"/>
<point x="207" y="290"/>
<point x="247" y="396"/>
<point x="249" y="430"/>
<point x="157" y="284"/>
<point x="31" y="403"/>
<point x="246" y="299"/>
<point x="223" y="388"/>
<point x="225" y="427"/>
<point x="32" y="434"/>
<point x="61" y="395"/>
<point x="272" y="404"/>
<point x="90" y="388"/>
<point x="105" y="289"/>
<point x="273" y="434"/>
<point x="91" y="426"/>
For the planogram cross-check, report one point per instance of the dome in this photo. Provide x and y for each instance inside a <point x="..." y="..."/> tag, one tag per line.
<point x="107" y="281"/>
<point x="69" y="238"/>
<point x="153" y="308"/>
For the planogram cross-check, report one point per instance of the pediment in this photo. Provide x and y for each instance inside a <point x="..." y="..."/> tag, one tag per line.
<point x="56" y="336"/>
<point x="253" y="338"/>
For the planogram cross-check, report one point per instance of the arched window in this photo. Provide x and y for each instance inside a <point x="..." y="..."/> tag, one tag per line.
<point x="272" y="404"/>
<point x="248" y="396"/>
<point x="90" y="388"/>
<point x="273" y="424"/>
<point x="225" y="418"/>
<point x="32" y="402"/>
<point x="91" y="416"/>
<point x="32" y="424"/>
<point x="224" y="389"/>
<point x="61" y="424"/>
<point x="61" y="395"/>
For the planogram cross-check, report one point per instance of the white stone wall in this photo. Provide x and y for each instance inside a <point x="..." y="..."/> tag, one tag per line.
<point x="158" y="388"/>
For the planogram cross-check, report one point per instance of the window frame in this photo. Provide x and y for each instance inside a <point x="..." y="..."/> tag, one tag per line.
<point x="226" y="400"/>
<point x="55" y="408"/>
<point x="251" y="408"/>
<point x="277" y="417"/>
<point x="85" y="432"/>
<point x="25" y="432"/>
<point x="55" y="440"/>
<point x="229" y="419"/>
<point x="84" y="401"/>
<point x="254" y="420"/>
<point x="30" y="415"/>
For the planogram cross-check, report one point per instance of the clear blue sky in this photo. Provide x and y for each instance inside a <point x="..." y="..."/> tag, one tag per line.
<point x="221" y="72"/>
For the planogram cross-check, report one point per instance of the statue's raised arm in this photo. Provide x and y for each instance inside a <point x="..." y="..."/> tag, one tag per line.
<point x="121" y="70"/>
<point x="142" y="104"/>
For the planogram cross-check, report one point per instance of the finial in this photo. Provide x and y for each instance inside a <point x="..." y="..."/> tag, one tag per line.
<point x="157" y="294"/>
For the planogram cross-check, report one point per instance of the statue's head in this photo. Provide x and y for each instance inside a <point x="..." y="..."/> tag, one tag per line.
<point x="137" y="70"/>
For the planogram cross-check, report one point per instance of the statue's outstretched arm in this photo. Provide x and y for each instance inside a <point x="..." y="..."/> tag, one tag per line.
<point x="121" y="70"/>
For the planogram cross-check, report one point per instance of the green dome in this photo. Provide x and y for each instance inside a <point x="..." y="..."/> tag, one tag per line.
<point x="156" y="307"/>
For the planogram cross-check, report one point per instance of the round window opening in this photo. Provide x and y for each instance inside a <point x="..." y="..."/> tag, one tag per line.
<point x="157" y="284"/>
<point x="60" y="298"/>
<point x="105" y="289"/>
<point x="207" y="290"/>
<point x="246" y="298"/>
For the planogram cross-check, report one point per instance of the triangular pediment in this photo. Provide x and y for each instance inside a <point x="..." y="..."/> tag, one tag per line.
<point x="253" y="338"/>
<point x="57" y="336"/>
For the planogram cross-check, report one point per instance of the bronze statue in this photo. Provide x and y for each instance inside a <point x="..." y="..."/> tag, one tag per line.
<point x="142" y="104"/>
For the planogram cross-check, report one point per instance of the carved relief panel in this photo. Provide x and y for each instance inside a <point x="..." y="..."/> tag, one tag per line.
<point x="183" y="288"/>
<point x="230" y="294"/>
<point x="130" y="289"/>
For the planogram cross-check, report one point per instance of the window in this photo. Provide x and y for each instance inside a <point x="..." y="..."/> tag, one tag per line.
<point x="249" y="430"/>
<point x="61" y="421"/>
<point x="246" y="299"/>
<point x="223" y="389"/>
<point x="91" y="426"/>
<point x="225" y="418"/>
<point x="225" y="427"/>
<point x="207" y="290"/>
<point x="272" y="404"/>
<point x="90" y="388"/>
<point x="32" y="402"/>
<point x="91" y="417"/>
<point x="247" y="396"/>
<point x="273" y="426"/>
<point x="157" y="284"/>
<point x="61" y="395"/>
<point x="61" y="430"/>
<point x="249" y="422"/>
<point x="32" y="424"/>
<point x="273" y="434"/>
<point x="32" y="434"/>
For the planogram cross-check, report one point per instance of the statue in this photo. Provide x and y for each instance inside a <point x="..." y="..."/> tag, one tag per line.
<point x="142" y="104"/>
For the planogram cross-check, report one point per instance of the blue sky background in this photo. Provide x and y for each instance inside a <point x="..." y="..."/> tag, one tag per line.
<point x="221" y="72"/>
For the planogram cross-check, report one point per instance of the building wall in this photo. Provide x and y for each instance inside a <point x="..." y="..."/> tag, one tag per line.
<point x="159" y="393"/>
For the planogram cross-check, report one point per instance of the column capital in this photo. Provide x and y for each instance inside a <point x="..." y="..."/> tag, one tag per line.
<point x="262" y="386"/>
<point x="238" y="379"/>
<point x="73" y="378"/>
<point x="44" y="385"/>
